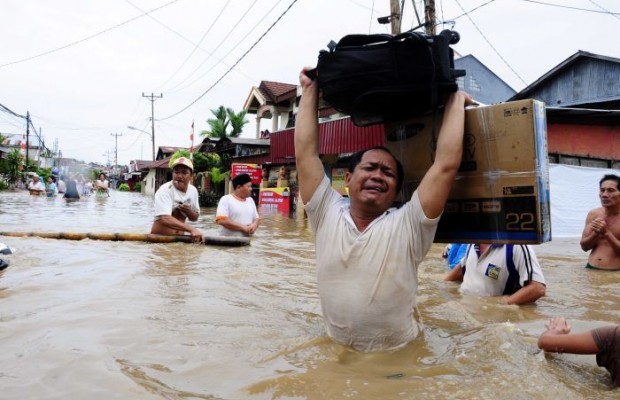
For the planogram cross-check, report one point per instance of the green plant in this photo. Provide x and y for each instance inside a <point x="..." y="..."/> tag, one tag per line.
<point x="225" y="117"/>
<point x="205" y="161"/>
<point x="94" y="174"/>
<point x="4" y="184"/>
<point x="123" y="187"/>
<point x="137" y="187"/>
<point x="216" y="178"/>
<point x="14" y="165"/>
<point x="177" y="154"/>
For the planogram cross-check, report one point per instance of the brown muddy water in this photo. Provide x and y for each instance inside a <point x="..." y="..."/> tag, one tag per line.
<point x="128" y="320"/>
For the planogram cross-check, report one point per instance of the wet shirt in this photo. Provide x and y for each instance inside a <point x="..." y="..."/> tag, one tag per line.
<point x="487" y="274"/>
<point x="239" y="210"/>
<point x="168" y="198"/>
<point x="36" y="186"/>
<point x="607" y="339"/>
<point x="368" y="280"/>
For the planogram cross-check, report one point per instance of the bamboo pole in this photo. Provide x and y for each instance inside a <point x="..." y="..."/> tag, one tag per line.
<point x="133" y="237"/>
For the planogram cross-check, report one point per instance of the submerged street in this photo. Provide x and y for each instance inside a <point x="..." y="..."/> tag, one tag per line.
<point x="126" y="320"/>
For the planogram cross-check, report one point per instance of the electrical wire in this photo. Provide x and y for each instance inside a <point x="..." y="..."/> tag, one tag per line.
<point x="66" y="46"/>
<point x="232" y="29"/>
<point x="575" y="8"/>
<point x="231" y="50"/>
<point x="490" y="44"/>
<point x="606" y="10"/>
<point x="198" y="44"/>
<point x="235" y="64"/>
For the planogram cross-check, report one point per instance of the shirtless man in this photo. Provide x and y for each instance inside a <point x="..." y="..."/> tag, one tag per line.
<point x="602" y="231"/>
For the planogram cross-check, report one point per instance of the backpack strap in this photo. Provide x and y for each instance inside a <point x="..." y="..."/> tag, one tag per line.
<point x="465" y="255"/>
<point x="512" y="284"/>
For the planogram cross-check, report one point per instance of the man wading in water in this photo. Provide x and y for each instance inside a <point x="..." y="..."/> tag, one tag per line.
<point x="367" y="252"/>
<point x="176" y="201"/>
<point x="602" y="228"/>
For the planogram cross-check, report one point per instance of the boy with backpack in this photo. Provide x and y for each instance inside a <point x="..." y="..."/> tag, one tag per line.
<point x="510" y="271"/>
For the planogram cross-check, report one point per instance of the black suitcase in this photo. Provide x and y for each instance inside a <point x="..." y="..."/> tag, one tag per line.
<point x="386" y="78"/>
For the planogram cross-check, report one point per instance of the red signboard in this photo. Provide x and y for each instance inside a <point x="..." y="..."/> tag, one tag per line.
<point x="275" y="199"/>
<point x="255" y="172"/>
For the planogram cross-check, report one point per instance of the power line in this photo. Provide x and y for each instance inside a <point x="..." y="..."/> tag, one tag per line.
<point x="490" y="44"/>
<point x="232" y="29"/>
<point x="235" y="64"/>
<point x="575" y="8"/>
<point x="198" y="44"/>
<point x="45" y="53"/>
<point x="229" y="51"/>
<point x="606" y="10"/>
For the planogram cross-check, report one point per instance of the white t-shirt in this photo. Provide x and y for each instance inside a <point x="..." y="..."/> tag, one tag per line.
<point x="368" y="281"/>
<point x="36" y="186"/>
<point x="168" y="198"/>
<point x="241" y="211"/>
<point x="487" y="275"/>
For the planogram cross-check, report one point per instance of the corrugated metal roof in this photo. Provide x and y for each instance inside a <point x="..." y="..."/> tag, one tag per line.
<point x="337" y="136"/>
<point x="566" y="64"/>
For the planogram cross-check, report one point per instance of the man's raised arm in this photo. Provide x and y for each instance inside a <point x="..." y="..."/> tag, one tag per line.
<point x="435" y="187"/>
<point x="310" y="170"/>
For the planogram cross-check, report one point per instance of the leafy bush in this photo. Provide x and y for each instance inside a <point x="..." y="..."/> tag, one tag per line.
<point x="137" y="187"/>
<point x="4" y="185"/>
<point x="123" y="187"/>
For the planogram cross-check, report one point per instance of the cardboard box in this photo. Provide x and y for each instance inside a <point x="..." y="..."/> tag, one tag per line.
<point x="501" y="192"/>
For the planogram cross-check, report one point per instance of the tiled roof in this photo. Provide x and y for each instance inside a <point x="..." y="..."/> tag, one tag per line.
<point x="163" y="163"/>
<point x="277" y="91"/>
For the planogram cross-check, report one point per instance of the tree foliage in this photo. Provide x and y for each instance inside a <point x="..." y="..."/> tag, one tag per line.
<point x="225" y="118"/>
<point x="177" y="154"/>
<point x="14" y="161"/>
<point x="205" y="161"/>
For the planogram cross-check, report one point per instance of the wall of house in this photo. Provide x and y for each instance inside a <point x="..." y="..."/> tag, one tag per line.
<point x="480" y="83"/>
<point x="148" y="184"/>
<point x="588" y="81"/>
<point x="599" y="142"/>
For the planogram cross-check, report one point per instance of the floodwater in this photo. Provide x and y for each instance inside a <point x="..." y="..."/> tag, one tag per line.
<point x="128" y="320"/>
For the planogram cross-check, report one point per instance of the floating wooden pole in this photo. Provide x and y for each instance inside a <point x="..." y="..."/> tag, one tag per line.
<point x="133" y="237"/>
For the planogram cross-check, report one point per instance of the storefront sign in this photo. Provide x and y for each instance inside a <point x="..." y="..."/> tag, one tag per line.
<point x="255" y="172"/>
<point x="275" y="199"/>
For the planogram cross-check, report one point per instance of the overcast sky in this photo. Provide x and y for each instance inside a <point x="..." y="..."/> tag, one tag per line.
<point x="80" y="67"/>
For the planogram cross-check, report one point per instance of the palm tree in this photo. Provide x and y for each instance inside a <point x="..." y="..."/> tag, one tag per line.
<point x="237" y="121"/>
<point x="225" y="117"/>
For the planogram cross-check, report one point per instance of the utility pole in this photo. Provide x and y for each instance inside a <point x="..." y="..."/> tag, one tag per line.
<point x="116" y="135"/>
<point x="429" y="16"/>
<point x="27" y="136"/>
<point x="152" y="98"/>
<point x="395" y="17"/>
<point x="107" y="155"/>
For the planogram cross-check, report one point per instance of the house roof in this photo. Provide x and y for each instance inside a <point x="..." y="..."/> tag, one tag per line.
<point x="249" y="141"/>
<point x="582" y="116"/>
<point x="269" y="93"/>
<point x="470" y="56"/>
<point x="277" y="91"/>
<point x="140" y="163"/>
<point x="170" y="149"/>
<point x="568" y="63"/>
<point x="157" y="164"/>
